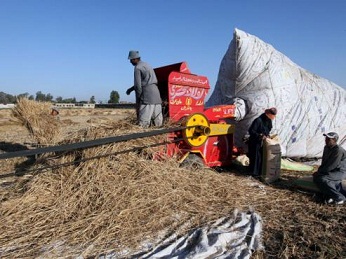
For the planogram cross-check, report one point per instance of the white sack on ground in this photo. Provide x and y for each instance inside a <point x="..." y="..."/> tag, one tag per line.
<point x="254" y="72"/>
<point x="232" y="237"/>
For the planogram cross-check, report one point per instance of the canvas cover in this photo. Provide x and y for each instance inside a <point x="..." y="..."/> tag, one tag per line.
<point x="236" y="236"/>
<point x="255" y="76"/>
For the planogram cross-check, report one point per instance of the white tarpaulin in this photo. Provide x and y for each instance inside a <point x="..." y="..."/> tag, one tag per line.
<point x="233" y="237"/>
<point x="255" y="76"/>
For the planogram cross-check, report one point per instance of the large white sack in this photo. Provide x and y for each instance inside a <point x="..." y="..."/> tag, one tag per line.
<point x="254" y="72"/>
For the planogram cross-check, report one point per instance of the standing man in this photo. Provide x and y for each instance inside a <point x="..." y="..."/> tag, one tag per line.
<point x="258" y="131"/>
<point x="332" y="170"/>
<point x="148" y="99"/>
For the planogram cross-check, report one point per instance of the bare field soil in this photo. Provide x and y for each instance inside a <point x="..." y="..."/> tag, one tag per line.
<point x="72" y="119"/>
<point x="14" y="136"/>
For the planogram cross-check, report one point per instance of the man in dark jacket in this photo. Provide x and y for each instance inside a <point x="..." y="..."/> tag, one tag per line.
<point x="332" y="170"/>
<point x="258" y="131"/>
<point x="148" y="99"/>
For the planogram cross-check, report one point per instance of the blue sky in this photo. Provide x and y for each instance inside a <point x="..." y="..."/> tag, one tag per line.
<point x="79" y="48"/>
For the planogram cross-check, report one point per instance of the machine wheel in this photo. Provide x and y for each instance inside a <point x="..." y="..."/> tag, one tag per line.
<point x="193" y="162"/>
<point x="197" y="131"/>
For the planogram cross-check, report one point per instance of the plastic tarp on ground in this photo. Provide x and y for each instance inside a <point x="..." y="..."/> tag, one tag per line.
<point x="255" y="76"/>
<point x="236" y="237"/>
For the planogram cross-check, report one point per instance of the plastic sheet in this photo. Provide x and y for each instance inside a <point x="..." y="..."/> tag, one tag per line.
<point x="308" y="105"/>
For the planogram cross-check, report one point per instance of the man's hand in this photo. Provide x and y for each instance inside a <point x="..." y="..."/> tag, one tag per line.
<point x="128" y="91"/>
<point x="263" y="137"/>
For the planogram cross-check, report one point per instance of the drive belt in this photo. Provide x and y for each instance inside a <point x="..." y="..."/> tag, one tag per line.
<point x="89" y="143"/>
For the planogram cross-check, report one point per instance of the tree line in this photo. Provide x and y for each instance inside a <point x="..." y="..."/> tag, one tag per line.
<point x="5" y="98"/>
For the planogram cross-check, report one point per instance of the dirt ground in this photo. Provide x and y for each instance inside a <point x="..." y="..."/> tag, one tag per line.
<point x="14" y="136"/>
<point x="73" y="119"/>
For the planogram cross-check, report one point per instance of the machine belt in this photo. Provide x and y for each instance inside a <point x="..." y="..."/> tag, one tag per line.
<point x="89" y="144"/>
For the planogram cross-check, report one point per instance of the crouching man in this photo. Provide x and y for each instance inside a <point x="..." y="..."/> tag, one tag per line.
<point x="332" y="170"/>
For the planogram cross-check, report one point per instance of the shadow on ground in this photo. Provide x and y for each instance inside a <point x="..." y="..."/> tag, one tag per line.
<point x="21" y="167"/>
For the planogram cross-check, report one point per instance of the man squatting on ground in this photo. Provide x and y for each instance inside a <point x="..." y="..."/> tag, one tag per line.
<point x="332" y="170"/>
<point x="148" y="99"/>
<point x="259" y="131"/>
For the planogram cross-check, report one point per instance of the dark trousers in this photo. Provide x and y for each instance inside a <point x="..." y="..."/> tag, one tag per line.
<point x="329" y="184"/>
<point x="255" y="148"/>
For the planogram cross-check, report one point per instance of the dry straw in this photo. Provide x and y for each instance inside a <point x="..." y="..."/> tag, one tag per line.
<point x="36" y="117"/>
<point x="116" y="203"/>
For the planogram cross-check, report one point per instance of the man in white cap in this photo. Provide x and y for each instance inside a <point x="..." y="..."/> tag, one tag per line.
<point x="148" y="99"/>
<point x="332" y="170"/>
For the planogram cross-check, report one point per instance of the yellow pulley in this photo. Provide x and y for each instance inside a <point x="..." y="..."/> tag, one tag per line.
<point x="197" y="130"/>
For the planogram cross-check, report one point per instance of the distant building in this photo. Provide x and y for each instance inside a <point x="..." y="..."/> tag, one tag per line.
<point x="75" y="105"/>
<point x="7" y="106"/>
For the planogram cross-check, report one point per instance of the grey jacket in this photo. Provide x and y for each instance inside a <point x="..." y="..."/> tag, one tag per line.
<point x="145" y="84"/>
<point x="333" y="160"/>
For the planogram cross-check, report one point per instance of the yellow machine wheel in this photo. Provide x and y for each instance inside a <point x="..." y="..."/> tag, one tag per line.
<point x="198" y="130"/>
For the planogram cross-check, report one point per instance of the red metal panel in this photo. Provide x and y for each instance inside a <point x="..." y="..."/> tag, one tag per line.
<point x="218" y="150"/>
<point x="216" y="113"/>
<point x="186" y="94"/>
<point x="162" y="73"/>
<point x="188" y="79"/>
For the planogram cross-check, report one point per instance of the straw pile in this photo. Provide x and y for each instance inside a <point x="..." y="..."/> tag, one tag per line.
<point x="118" y="203"/>
<point x="35" y="116"/>
<point x="113" y="202"/>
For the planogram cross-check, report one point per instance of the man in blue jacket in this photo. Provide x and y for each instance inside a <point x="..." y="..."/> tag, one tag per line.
<point x="332" y="170"/>
<point x="148" y="99"/>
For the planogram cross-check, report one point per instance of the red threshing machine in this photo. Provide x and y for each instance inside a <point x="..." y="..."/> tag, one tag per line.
<point x="208" y="138"/>
<point x="203" y="138"/>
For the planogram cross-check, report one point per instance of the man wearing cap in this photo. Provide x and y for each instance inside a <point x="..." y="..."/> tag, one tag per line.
<point x="148" y="99"/>
<point x="258" y="131"/>
<point x="332" y="170"/>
